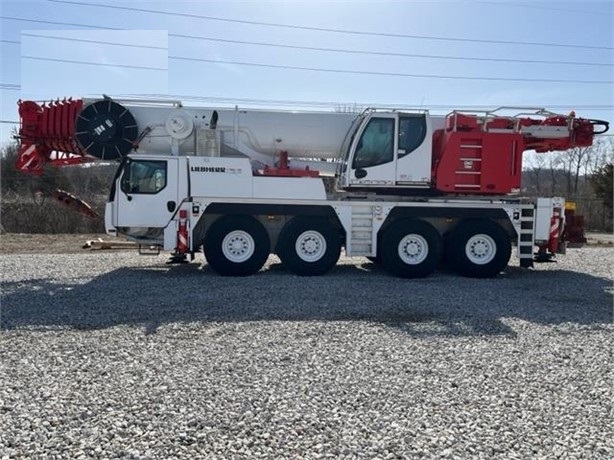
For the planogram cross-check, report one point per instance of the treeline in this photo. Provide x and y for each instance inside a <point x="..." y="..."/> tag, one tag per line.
<point x="28" y="204"/>
<point x="583" y="175"/>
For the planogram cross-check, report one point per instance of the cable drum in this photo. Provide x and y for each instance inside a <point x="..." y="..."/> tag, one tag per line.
<point x="106" y="130"/>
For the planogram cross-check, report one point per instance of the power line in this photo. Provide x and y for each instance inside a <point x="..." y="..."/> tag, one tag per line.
<point x="196" y="37"/>
<point x="9" y="87"/>
<point x="321" y="69"/>
<point x="56" y="23"/>
<point x="98" y="42"/>
<point x="323" y="29"/>
<point x="335" y="50"/>
<point x="225" y="100"/>
<point x="392" y="74"/>
<point x="70" y="61"/>
<point x="384" y="53"/>
<point x="330" y="104"/>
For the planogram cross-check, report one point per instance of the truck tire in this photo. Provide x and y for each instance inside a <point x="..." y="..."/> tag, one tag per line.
<point x="411" y="249"/>
<point x="478" y="248"/>
<point x="236" y="245"/>
<point x="309" y="246"/>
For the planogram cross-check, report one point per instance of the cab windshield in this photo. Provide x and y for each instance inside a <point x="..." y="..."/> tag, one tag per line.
<point x="144" y="176"/>
<point x="376" y="144"/>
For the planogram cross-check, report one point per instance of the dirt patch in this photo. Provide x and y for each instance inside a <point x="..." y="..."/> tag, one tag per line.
<point x="600" y="239"/>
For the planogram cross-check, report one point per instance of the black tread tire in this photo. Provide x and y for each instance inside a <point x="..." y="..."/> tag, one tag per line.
<point x="212" y="245"/>
<point x="389" y="248"/>
<point x="375" y="260"/>
<point x="456" y="242"/>
<point x="286" y="249"/>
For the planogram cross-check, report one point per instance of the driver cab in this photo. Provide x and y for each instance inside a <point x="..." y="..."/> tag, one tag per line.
<point x="389" y="149"/>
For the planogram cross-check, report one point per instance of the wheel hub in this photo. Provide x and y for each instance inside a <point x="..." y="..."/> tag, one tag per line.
<point x="481" y="249"/>
<point x="310" y="246"/>
<point x="238" y="246"/>
<point x="413" y="249"/>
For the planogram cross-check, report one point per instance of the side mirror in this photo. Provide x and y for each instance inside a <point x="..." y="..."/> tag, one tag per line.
<point x="360" y="173"/>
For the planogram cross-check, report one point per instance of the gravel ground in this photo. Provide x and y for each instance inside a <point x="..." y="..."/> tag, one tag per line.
<point x="112" y="355"/>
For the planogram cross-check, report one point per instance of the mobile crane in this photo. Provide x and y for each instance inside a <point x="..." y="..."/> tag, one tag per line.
<point x="410" y="188"/>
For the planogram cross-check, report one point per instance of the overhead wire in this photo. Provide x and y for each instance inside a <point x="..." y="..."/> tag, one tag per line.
<point x="351" y="105"/>
<point x="332" y="30"/>
<point x="333" y="50"/>
<point x="15" y="87"/>
<point x="394" y="74"/>
<point x="308" y="48"/>
<point x="328" y="70"/>
<point x="103" y="64"/>
<point x="97" y="42"/>
<point x="391" y="54"/>
<point x="332" y="104"/>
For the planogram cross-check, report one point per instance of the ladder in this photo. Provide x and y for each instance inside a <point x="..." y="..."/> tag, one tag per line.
<point x="360" y="240"/>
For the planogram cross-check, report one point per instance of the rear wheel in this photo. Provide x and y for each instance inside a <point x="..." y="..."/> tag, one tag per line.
<point x="411" y="248"/>
<point x="309" y="246"/>
<point x="236" y="246"/>
<point x="478" y="248"/>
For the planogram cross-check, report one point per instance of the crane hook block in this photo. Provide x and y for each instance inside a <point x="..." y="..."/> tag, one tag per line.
<point x="106" y="130"/>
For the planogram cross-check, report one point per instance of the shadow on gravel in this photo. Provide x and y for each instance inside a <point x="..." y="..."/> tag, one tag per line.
<point x="442" y="304"/>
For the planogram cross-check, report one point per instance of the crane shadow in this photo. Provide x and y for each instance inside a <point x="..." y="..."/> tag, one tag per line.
<point x="443" y="304"/>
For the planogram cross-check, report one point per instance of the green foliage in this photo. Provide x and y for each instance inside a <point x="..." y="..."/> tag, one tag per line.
<point x="602" y="181"/>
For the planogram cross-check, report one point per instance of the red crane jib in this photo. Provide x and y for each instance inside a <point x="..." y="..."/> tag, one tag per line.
<point x="475" y="155"/>
<point x="47" y="135"/>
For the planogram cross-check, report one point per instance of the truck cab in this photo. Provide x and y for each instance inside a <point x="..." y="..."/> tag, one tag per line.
<point x="145" y="196"/>
<point x="386" y="149"/>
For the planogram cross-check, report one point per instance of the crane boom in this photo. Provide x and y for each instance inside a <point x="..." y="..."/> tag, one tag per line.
<point x="72" y="131"/>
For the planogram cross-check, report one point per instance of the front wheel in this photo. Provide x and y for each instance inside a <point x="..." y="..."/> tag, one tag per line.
<point x="309" y="246"/>
<point x="236" y="245"/>
<point x="478" y="248"/>
<point x="411" y="248"/>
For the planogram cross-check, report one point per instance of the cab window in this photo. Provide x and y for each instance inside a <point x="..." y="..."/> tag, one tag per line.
<point x="375" y="146"/>
<point x="140" y="176"/>
<point x="412" y="131"/>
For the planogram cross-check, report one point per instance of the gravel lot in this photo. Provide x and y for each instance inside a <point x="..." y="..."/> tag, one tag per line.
<point x="113" y="355"/>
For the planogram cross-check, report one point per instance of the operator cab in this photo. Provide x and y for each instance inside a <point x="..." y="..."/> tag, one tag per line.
<point x="388" y="149"/>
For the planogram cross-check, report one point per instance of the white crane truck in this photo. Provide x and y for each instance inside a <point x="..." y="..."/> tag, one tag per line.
<point x="411" y="189"/>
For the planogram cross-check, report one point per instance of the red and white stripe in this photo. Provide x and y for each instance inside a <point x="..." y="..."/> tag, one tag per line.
<point x="182" y="232"/>
<point x="555" y="230"/>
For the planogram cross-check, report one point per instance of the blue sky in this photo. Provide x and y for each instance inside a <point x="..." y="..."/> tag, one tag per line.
<point x="35" y="67"/>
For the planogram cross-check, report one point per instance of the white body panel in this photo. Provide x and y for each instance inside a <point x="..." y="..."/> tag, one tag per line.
<point x="543" y="215"/>
<point x="301" y="134"/>
<point x="232" y="178"/>
<point x="415" y="168"/>
<point x="151" y="210"/>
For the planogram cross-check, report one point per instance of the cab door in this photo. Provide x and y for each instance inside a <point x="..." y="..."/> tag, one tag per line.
<point x="149" y="192"/>
<point x="374" y="160"/>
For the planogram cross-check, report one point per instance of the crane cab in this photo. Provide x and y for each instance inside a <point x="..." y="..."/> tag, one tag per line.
<point x="388" y="149"/>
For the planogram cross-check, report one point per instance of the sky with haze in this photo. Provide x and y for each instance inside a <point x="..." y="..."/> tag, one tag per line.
<point x="440" y="55"/>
